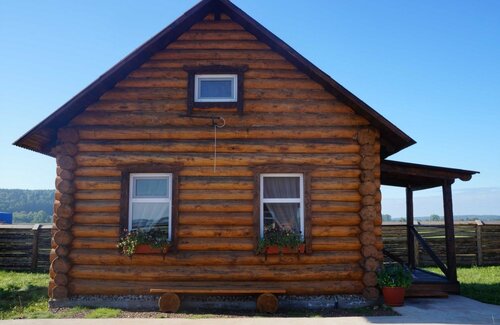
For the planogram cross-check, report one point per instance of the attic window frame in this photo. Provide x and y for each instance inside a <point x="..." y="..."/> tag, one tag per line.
<point x="199" y="78"/>
<point x="215" y="70"/>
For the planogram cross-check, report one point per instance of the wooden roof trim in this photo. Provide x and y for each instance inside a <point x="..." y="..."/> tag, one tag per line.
<point x="417" y="176"/>
<point x="393" y="139"/>
<point x="108" y="80"/>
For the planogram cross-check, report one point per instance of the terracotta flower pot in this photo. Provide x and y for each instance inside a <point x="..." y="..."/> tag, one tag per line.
<point x="394" y="296"/>
<point x="147" y="249"/>
<point x="273" y="250"/>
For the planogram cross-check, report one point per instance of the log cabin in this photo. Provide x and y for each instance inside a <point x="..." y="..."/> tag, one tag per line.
<point x="224" y="128"/>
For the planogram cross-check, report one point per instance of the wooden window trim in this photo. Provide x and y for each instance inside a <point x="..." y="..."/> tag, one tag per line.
<point x="284" y="169"/>
<point x="125" y="194"/>
<point x="215" y="69"/>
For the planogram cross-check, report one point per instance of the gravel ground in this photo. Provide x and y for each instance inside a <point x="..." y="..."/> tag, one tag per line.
<point x="366" y="311"/>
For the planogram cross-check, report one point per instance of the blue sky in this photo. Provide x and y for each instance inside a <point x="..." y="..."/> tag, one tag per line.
<point x="430" y="67"/>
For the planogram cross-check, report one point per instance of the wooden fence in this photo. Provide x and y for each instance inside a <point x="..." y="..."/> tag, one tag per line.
<point x="27" y="247"/>
<point x="477" y="242"/>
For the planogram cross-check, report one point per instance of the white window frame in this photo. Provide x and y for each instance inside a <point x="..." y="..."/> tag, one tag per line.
<point x="132" y="199"/>
<point x="199" y="77"/>
<point x="299" y="200"/>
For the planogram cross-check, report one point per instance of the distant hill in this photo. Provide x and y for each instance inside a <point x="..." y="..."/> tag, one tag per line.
<point x="28" y="206"/>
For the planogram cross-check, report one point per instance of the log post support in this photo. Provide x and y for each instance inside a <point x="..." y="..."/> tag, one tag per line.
<point x="34" y="248"/>
<point x="370" y="213"/>
<point x="65" y="152"/>
<point x="451" y="258"/>
<point x="479" y="242"/>
<point x="410" y="240"/>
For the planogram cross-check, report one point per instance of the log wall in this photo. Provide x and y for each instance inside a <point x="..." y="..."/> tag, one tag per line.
<point x="288" y="119"/>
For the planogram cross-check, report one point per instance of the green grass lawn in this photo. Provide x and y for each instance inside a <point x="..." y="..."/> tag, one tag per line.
<point x="480" y="283"/>
<point x="24" y="295"/>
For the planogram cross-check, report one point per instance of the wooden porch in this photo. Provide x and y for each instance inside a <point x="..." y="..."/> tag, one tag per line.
<point x="414" y="177"/>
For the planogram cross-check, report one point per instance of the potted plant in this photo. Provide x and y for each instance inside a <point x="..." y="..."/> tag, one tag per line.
<point x="280" y="241"/>
<point x="139" y="241"/>
<point x="393" y="279"/>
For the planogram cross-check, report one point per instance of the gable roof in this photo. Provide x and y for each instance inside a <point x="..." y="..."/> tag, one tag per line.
<point x="42" y="137"/>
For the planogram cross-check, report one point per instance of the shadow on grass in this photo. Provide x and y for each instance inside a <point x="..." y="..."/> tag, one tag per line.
<point x="487" y="293"/>
<point x="12" y="296"/>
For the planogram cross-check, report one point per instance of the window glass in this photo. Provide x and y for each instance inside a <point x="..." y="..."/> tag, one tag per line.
<point x="284" y="216"/>
<point x="151" y="187"/>
<point x="150" y="215"/>
<point x="282" y="202"/>
<point x="215" y="88"/>
<point x="150" y="202"/>
<point x="281" y="187"/>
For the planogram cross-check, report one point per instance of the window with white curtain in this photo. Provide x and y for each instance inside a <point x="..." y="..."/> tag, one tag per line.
<point x="282" y="202"/>
<point x="150" y="204"/>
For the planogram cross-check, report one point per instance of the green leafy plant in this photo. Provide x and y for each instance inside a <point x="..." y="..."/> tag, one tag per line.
<point x="394" y="276"/>
<point x="155" y="237"/>
<point x="282" y="238"/>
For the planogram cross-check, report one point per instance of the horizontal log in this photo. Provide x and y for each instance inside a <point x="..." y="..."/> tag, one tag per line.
<point x="226" y="159"/>
<point x="214" y="25"/>
<point x="104" y="231"/>
<point x="226" y="146"/>
<point x="231" y="35"/>
<point x="337" y="172"/>
<point x="216" y="54"/>
<point x="181" y="73"/>
<point x="335" y="231"/>
<point x="216" y="183"/>
<point x="336" y="195"/>
<point x="97" y="206"/>
<point x="180" y="93"/>
<point x="216" y="195"/>
<point x="216" y="231"/>
<point x="218" y="273"/>
<point x="94" y="243"/>
<point x="335" y="219"/>
<point x="258" y="105"/>
<point x="250" y="83"/>
<point x="335" y="244"/>
<point x="97" y="184"/>
<point x="156" y="119"/>
<point x="98" y="172"/>
<point x="229" y="219"/>
<point x="97" y="195"/>
<point x="96" y="218"/>
<point x="216" y="206"/>
<point x="252" y="64"/>
<point x="216" y="244"/>
<point x="103" y="287"/>
<point x="113" y="257"/>
<point x="335" y="183"/>
<point x="106" y="133"/>
<point x="218" y="45"/>
<point x="332" y="206"/>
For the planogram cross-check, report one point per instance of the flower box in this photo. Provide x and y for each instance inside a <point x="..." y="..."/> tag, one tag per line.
<point x="273" y="250"/>
<point x="147" y="249"/>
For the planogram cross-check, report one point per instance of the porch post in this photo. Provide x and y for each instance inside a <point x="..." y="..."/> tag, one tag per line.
<point x="410" y="239"/>
<point x="451" y="259"/>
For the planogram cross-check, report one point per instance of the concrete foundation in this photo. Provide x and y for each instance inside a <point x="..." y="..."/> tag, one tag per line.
<point x="214" y="303"/>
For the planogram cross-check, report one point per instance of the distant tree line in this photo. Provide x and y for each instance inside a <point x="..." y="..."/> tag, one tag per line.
<point x="28" y="206"/>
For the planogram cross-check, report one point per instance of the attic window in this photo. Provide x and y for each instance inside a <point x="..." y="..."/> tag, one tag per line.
<point x="215" y="86"/>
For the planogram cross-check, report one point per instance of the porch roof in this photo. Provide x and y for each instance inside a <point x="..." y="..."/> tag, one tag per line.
<point x="420" y="177"/>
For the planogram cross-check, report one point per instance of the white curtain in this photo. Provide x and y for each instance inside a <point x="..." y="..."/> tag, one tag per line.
<point x="285" y="215"/>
